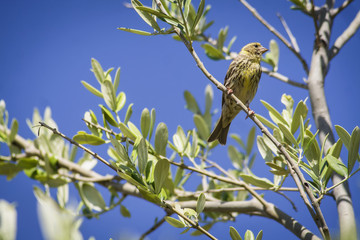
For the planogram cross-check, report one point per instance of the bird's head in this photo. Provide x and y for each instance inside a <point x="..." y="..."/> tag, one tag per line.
<point x="254" y="50"/>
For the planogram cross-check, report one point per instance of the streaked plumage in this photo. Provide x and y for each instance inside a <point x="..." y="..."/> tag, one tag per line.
<point x="242" y="78"/>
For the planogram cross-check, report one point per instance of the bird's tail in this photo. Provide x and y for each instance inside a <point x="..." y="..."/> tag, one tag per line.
<point x="219" y="133"/>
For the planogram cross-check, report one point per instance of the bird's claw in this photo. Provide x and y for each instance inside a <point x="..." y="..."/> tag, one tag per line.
<point x="250" y="113"/>
<point x="229" y="91"/>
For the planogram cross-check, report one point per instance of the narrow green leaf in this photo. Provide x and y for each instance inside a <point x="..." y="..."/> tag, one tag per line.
<point x="209" y="95"/>
<point x="250" y="140"/>
<point x="200" y="203"/>
<point x="288" y="135"/>
<point x="249" y="235"/>
<point x="237" y="138"/>
<point x="98" y="71"/>
<point x="212" y="52"/>
<point x="148" y="18"/>
<point x="191" y="103"/>
<point x="161" y="139"/>
<point x="8" y="218"/>
<point x="13" y="130"/>
<point x="234" y="234"/>
<point x="231" y="43"/>
<point x="274" y="114"/>
<point x="353" y="148"/>
<point x="152" y="122"/>
<point x="142" y="151"/>
<point x="236" y="157"/>
<point x="124" y="211"/>
<point x="85" y="138"/>
<point x="201" y="126"/>
<point x="129" y="112"/>
<point x="120" y="101"/>
<point x="161" y="173"/>
<point x="174" y="222"/>
<point x="108" y="92"/>
<point x="194" y="146"/>
<point x="178" y="176"/>
<point x="343" y="135"/>
<point x="222" y="37"/>
<point x="134" y="129"/>
<point x="187" y="5"/>
<point x="264" y="150"/>
<point x="136" y="31"/>
<point x="145" y="122"/>
<point x="92" y="197"/>
<point x="108" y="116"/>
<point x="92" y="89"/>
<point x="166" y="18"/>
<point x="337" y="165"/>
<point x="126" y="131"/>
<point x="301" y="110"/>
<point x="198" y="16"/>
<point x="257" y="181"/>
<point x="117" y="79"/>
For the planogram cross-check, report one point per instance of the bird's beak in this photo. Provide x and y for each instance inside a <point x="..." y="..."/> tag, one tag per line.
<point x="263" y="50"/>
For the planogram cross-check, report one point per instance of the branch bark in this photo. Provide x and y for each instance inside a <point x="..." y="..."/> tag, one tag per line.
<point x="318" y="70"/>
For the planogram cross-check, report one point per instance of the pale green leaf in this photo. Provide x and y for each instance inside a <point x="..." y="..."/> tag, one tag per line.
<point x="161" y="139"/>
<point x="201" y="126"/>
<point x="191" y="103"/>
<point x="85" y="138"/>
<point x="92" y="89"/>
<point x="174" y="222"/>
<point x="161" y="173"/>
<point x="200" y="205"/>
<point x="212" y="52"/>
<point x="256" y="181"/>
<point x="142" y="151"/>
<point x="234" y="234"/>
<point x="145" y="122"/>
<point x="108" y="92"/>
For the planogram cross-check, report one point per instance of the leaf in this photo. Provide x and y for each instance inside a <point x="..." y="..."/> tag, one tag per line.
<point x="264" y="150"/>
<point x="108" y="92"/>
<point x="152" y="122"/>
<point x="142" y="151"/>
<point x="191" y="103"/>
<point x="8" y="218"/>
<point x="198" y="16"/>
<point x="124" y="211"/>
<point x="120" y="101"/>
<point x="260" y="235"/>
<point x="108" y="116"/>
<point x="200" y="203"/>
<point x="92" y="197"/>
<point x="117" y="79"/>
<point x="129" y="112"/>
<point x="234" y="234"/>
<point x="136" y="31"/>
<point x="272" y="57"/>
<point x="85" y="138"/>
<point x="126" y="131"/>
<point x="209" y="95"/>
<point x="301" y="110"/>
<point x="97" y="69"/>
<point x="337" y="165"/>
<point x="256" y="181"/>
<point x="201" y="126"/>
<point x="161" y="139"/>
<point x="161" y="173"/>
<point x="13" y="131"/>
<point x="222" y="37"/>
<point x="274" y="114"/>
<point x="174" y="222"/>
<point x="236" y="157"/>
<point x="10" y="170"/>
<point x="238" y="140"/>
<point x="92" y="89"/>
<point x="353" y="148"/>
<point x="134" y="129"/>
<point x="212" y="52"/>
<point x="250" y="140"/>
<point x="343" y="135"/>
<point x="231" y="43"/>
<point x="145" y="15"/>
<point x="288" y="135"/>
<point x="249" y="235"/>
<point x="145" y="122"/>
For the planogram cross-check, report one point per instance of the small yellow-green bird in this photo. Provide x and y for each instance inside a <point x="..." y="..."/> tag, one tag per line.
<point x="242" y="79"/>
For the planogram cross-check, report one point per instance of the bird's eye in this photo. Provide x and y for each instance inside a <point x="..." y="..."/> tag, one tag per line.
<point x="256" y="45"/>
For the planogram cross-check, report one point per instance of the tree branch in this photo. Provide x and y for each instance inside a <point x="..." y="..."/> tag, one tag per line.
<point x="283" y="78"/>
<point x="345" y="36"/>
<point x="336" y="11"/>
<point x="289" y="33"/>
<point x="276" y="33"/>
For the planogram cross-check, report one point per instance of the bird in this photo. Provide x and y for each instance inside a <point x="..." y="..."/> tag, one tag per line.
<point x="242" y="79"/>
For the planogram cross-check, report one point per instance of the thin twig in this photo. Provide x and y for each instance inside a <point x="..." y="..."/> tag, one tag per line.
<point x="341" y="182"/>
<point x="288" y="31"/>
<point x="153" y="228"/>
<point x="276" y="33"/>
<point x="345" y="36"/>
<point x="315" y="19"/>
<point x="336" y="11"/>
<point x="95" y="155"/>
<point x="283" y="78"/>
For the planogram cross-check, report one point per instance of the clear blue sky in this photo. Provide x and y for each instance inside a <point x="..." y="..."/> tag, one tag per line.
<point x="46" y="47"/>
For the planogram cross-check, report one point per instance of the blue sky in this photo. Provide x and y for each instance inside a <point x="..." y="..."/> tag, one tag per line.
<point x="46" y="47"/>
